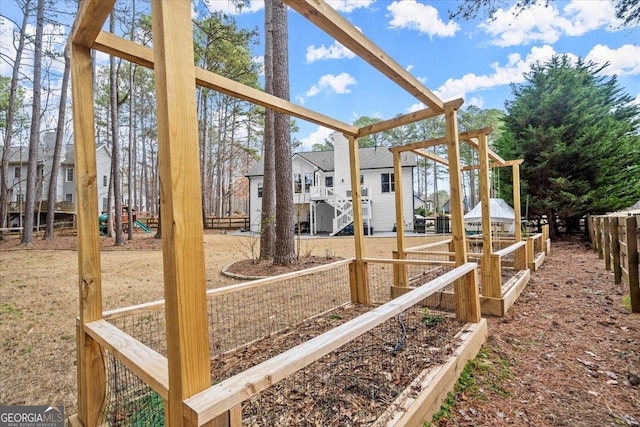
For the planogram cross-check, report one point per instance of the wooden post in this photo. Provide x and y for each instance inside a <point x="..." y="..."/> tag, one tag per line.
<point x="531" y="253"/>
<point x="467" y="299"/>
<point x="180" y="204"/>
<point x="485" y="197"/>
<point x="599" y="236"/>
<point x="606" y="239"/>
<point x="455" y="179"/>
<point x="90" y="365"/>
<point x="493" y="288"/>
<point x="517" y="213"/>
<point x="399" y="270"/>
<point x="615" y="249"/>
<point x="632" y="224"/>
<point x="362" y="284"/>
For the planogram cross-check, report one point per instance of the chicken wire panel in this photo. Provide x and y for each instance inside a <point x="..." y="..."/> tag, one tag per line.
<point x="129" y="400"/>
<point x="380" y="281"/>
<point x="240" y="317"/>
<point x="507" y="272"/>
<point x="358" y="383"/>
<point x="146" y="326"/>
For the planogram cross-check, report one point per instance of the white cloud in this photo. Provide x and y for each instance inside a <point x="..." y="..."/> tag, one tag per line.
<point x="228" y="7"/>
<point x="317" y="137"/>
<point x="478" y="101"/>
<point x="6" y="45"/>
<point x="545" y="23"/>
<point x="424" y="18"/>
<point x="637" y="101"/>
<point x="511" y="72"/>
<point x="339" y="84"/>
<point x="335" y="51"/>
<point x="624" y="60"/>
<point x="348" y="6"/>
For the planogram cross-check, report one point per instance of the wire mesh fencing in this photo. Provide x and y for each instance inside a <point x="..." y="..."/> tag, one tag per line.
<point x="359" y="383"/>
<point x="130" y="401"/>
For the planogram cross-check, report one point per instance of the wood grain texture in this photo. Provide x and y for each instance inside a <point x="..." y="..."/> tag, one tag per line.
<point x="180" y="203"/>
<point x="90" y="366"/>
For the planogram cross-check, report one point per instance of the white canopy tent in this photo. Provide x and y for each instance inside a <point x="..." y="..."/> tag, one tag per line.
<point x="502" y="217"/>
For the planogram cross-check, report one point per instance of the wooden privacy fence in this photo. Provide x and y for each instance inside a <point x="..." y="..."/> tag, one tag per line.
<point x="617" y="241"/>
<point x="227" y="222"/>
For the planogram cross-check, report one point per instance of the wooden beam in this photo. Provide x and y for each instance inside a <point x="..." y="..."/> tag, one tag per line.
<point x="131" y="51"/>
<point x="89" y="21"/>
<point x="90" y="364"/>
<point x="413" y="146"/>
<point x="400" y="271"/>
<point x="327" y="19"/>
<point x="361" y="284"/>
<point x="180" y="205"/>
<point x="495" y="165"/>
<point x="485" y="198"/>
<point x="405" y="119"/>
<point x="147" y="364"/>
<point x="455" y="180"/>
<point x="517" y="210"/>
<point x="424" y="153"/>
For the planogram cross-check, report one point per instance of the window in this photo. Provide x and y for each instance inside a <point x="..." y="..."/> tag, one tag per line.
<point x="308" y="182"/>
<point x="297" y="182"/>
<point x="19" y="198"/>
<point x="388" y="185"/>
<point x="105" y="181"/>
<point x="328" y="181"/>
<point x="69" y="177"/>
<point x="361" y="179"/>
<point x="105" y="204"/>
<point x="16" y="172"/>
<point x="68" y="197"/>
<point x="260" y="190"/>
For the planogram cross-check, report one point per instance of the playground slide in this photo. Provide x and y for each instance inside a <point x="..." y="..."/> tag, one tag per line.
<point x="142" y="226"/>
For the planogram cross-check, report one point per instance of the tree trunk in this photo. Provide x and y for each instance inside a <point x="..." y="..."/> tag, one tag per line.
<point x="13" y="92"/>
<point x="34" y="136"/>
<point x="115" y="145"/>
<point x="268" y="214"/>
<point x="285" y="245"/>
<point x="55" y="166"/>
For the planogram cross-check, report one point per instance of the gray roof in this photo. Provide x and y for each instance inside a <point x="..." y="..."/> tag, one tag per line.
<point x="19" y="154"/>
<point x="370" y="158"/>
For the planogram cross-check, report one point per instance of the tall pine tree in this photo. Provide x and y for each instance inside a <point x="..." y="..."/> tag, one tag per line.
<point x="578" y="133"/>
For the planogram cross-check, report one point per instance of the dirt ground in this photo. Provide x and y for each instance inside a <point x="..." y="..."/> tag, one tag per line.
<point x="567" y="353"/>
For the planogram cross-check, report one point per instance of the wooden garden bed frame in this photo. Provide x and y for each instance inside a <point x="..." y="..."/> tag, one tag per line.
<point x="497" y="297"/>
<point x="185" y="371"/>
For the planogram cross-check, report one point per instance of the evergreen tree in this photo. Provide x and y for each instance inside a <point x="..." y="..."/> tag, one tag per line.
<point x="578" y="134"/>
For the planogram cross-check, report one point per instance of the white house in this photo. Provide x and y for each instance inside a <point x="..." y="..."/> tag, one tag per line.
<point x="322" y="189"/>
<point x="65" y="183"/>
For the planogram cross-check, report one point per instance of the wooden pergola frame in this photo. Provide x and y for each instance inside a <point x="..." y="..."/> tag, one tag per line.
<point x="478" y="140"/>
<point x="176" y="77"/>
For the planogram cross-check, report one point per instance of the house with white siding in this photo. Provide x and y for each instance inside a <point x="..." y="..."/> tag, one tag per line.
<point x="65" y="181"/>
<point x="322" y="189"/>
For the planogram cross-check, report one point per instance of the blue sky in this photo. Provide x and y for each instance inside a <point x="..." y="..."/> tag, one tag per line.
<point x="476" y="60"/>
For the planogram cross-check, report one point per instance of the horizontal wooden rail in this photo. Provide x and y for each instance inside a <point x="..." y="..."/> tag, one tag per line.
<point x="150" y="366"/>
<point x="159" y="304"/>
<point x="509" y="249"/>
<point x="219" y="398"/>
<point x="430" y="245"/>
<point x="407" y="261"/>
